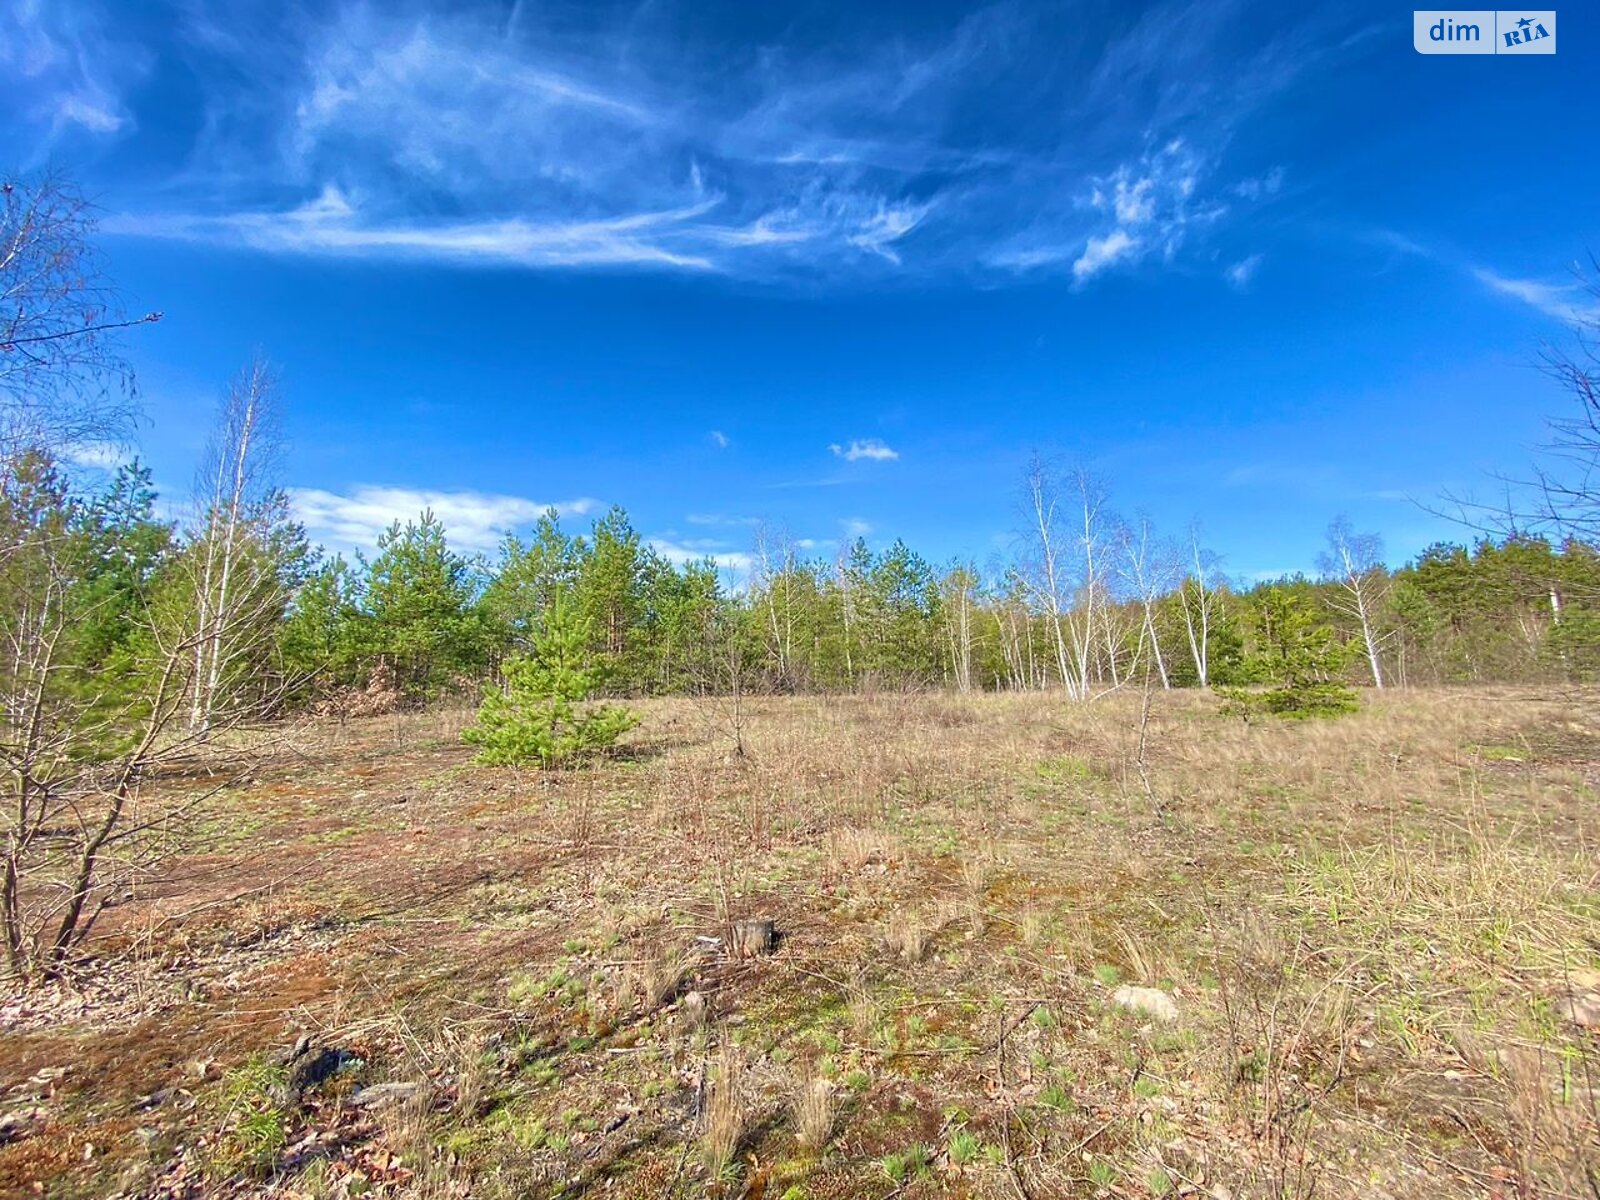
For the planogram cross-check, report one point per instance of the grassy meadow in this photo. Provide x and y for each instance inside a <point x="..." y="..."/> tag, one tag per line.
<point x="1370" y="946"/>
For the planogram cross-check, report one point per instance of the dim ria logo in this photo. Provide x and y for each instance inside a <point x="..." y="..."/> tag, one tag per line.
<point x="1484" y="31"/>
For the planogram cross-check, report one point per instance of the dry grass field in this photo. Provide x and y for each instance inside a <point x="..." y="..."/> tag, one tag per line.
<point x="1372" y="945"/>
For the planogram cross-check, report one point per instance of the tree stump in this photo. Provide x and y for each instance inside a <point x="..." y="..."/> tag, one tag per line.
<point x="752" y="938"/>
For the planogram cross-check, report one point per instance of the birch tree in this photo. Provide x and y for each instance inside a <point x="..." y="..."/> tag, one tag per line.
<point x="774" y="582"/>
<point x="959" y="596"/>
<point x="63" y="386"/>
<point x="1355" y="562"/>
<point x="850" y="566"/>
<point x="238" y="542"/>
<point x="1197" y="597"/>
<point x="1568" y="475"/>
<point x="1048" y="573"/>
<point x="1014" y="631"/>
<point x="93" y="686"/>
<point x="1092" y="609"/>
<point x="1065" y="569"/>
<point x="1148" y="572"/>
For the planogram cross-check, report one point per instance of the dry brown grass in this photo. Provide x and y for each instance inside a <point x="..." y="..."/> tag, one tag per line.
<point x="1369" y="926"/>
<point x="727" y="1110"/>
<point x="660" y="976"/>
<point x="908" y="935"/>
<point x="814" y="1108"/>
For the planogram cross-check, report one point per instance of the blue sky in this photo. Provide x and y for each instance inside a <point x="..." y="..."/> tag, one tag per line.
<point x="838" y="267"/>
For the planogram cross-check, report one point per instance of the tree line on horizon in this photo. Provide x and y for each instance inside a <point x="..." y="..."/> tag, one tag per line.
<point x="1088" y="604"/>
<point x="1517" y="609"/>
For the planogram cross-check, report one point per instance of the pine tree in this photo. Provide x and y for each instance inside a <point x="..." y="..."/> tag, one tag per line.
<point x="540" y="714"/>
<point x="608" y="595"/>
<point x="528" y="578"/>
<point x="422" y="619"/>
<point x="1297" y="652"/>
<point x="317" y="644"/>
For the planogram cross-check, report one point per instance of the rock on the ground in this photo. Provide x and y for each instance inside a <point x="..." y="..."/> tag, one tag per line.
<point x="381" y="1095"/>
<point x="1582" y="1008"/>
<point x="694" y="1010"/>
<point x="1152" y="1002"/>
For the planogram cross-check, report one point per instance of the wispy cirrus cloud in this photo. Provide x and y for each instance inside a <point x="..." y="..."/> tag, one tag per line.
<point x="578" y="139"/>
<point x="1145" y="207"/>
<point x="332" y="225"/>
<point x="870" y="449"/>
<point x="62" y="70"/>
<point x="1240" y="274"/>
<point x="1104" y="252"/>
<point x="1570" y="302"/>
<point x="473" y="521"/>
<point x="103" y="456"/>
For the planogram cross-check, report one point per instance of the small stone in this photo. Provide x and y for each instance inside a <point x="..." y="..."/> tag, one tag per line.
<point x="1582" y="1010"/>
<point x="1152" y="1002"/>
<point x="381" y="1095"/>
<point x="694" y="1010"/>
<point x="155" y="1099"/>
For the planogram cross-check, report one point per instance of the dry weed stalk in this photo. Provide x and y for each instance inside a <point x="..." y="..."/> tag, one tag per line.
<point x="1288" y="1046"/>
<point x="977" y="872"/>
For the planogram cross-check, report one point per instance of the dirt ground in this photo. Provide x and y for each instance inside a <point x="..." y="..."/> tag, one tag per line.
<point x="1024" y="949"/>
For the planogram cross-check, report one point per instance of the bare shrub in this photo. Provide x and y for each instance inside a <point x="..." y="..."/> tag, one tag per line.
<point x="380" y="697"/>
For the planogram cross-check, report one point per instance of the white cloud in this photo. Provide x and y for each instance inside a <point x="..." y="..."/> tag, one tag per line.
<point x="1306" y="478"/>
<point x="1133" y="202"/>
<point x="546" y="154"/>
<point x="1273" y="574"/>
<point x="585" y="139"/>
<point x="62" y="70"/>
<point x="1565" y="302"/>
<point x="106" y="456"/>
<point x="888" y="225"/>
<point x="1027" y="260"/>
<point x="1103" y="252"/>
<point x="1242" y="272"/>
<point x="679" y="553"/>
<point x="1571" y="302"/>
<point x="1148" y="205"/>
<point x="321" y="228"/>
<point x="473" y="521"/>
<point x="88" y="112"/>
<point x="719" y="439"/>
<point x="855" y="527"/>
<point x="1263" y="186"/>
<point x="859" y="448"/>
